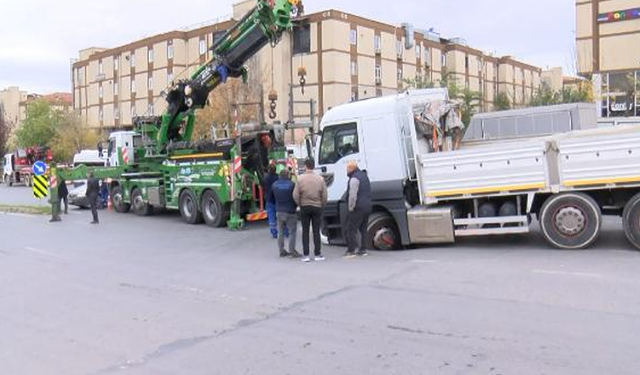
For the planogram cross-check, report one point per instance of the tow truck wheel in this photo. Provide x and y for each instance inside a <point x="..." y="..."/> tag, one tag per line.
<point x="631" y="220"/>
<point x="570" y="221"/>
<point x="189" y="208"/>
<point x="213" y="212"/>
<point x="27" y="180"/>
<point x="118" y="200"/>
<point x="140" y="207"/>
<point x="382" y="232"/>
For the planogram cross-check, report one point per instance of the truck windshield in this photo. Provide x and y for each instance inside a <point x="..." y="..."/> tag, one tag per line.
<point x="337" y="142"/>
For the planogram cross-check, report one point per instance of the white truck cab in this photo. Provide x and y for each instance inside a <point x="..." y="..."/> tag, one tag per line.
<point x="121" y="148"/>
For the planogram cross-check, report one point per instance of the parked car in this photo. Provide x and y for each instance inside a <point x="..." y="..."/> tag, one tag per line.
<point x="78" y="197"/>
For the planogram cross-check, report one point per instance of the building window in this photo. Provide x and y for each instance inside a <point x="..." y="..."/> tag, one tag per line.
<point x="354" y="94"/>
<point x="133" y="110"/>
<point x="418" y="51"/>
<point x="150" y="110"/>
<point x="150" y="56"/>
<point x="116" y="63"/>
<point x="399" y="48"/>
<point x="100" y="91"/>
<point x="217" y="36"/>
<point x="116" y="113"/>
<point x="400" y="74"/>
<point x="150" y="84"/>
<point x="100" y="68"/>
<point x="466" y="61"/>
<point x="444" y="60"/>
<point x="203" y="47"/>
<point x="101" y="114"/>
<point x="133" y="86"/>
<point x="427" y="57"/>
<point x="378" y="74"/>
<point x="132" y="60"/>
<point x="170" y="50"/>
<point x="353" y="37"/>
<point x="116" y="89"/>
<point x="354" y="68"/>
<point x="377" y="43"/>
<point x="170" y="78"/>
<point x="302" y="39"/>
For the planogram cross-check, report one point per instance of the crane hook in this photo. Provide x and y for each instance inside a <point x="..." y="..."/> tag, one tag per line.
<point x="273" y="97"/>
<point x="302" y="72"/>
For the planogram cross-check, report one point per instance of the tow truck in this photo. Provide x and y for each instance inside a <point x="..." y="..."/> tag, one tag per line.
<point x="17" y="166"/>
<point x="157" y="166"/>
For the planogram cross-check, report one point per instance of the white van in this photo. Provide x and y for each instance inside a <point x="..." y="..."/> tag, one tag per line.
<point x="90" y="158"/>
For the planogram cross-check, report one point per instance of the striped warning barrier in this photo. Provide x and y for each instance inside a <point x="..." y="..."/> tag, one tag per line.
<point x="40" y="187"/>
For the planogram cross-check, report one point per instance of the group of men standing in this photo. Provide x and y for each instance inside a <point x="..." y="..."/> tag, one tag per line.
<point x="310" y="194"/>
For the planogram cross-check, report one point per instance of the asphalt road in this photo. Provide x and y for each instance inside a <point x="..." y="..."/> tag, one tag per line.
<point x="156" y="296"/>
<point x="19" y="195"/>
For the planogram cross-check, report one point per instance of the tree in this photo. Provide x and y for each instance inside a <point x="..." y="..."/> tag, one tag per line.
<point x="545" y="96"/>
<point x="5" y="129"/>
<point x="39" y="125"/>
<point x="502" y="102"/>
<point x="419" y="83"/>
<point x="470" y="103"/>
<point x="72" y="136"/>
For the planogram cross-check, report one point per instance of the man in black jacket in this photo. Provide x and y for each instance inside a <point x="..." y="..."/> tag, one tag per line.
<point x="360" y="206"/>
<point x="63" y="193"/>
<point x="93" y="189"/>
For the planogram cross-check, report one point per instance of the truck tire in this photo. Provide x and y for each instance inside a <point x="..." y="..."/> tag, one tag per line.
<point x="570" y="221"/>
<point x="382" y="232"/>
<point x="140" y="207"/>
<point x="214" y="213"/>
<point x="118" y="200"/>
<point x="27" y="180"/>
<point x="189" y="209"/>
<point x="631" y="220"/>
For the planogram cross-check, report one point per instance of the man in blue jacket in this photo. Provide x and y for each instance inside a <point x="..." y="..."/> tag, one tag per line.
<point x="282" y="194"/>
<point x="270" y="205"/>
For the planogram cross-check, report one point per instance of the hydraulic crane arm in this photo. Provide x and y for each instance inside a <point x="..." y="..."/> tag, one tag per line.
<point x="262" y="25"/>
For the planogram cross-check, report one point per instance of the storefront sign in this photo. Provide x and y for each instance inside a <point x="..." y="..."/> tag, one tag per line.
<point x="621" y="107"/>
<point x="621" y="15"/>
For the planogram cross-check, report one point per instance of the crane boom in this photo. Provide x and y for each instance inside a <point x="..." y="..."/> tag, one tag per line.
<point x="264" y="24"/>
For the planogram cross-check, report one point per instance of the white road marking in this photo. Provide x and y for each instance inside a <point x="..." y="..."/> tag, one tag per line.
<point x="42" y="252"/>
<point x="567" y="273"/>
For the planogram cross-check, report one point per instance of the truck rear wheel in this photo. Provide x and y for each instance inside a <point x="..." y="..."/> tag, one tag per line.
<point x="27" y="180"/>
<point x="631" y="220"/>
<point x="140" y="207"/>
<point x="189" y="208"/>
<point x="382" y="232"/>
<point x="570" y="221"/>
<point x="118" y="200"/>
<point x="213" y="212"/>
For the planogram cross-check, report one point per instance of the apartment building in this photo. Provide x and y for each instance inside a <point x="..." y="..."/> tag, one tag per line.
<point x="340" y="57"/>
<point x="608" y="50"/>
<point x="10" y="99"/>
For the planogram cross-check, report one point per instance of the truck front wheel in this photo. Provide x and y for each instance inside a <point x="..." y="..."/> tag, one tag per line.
<point x="189" y="208"/>
<point x="213" y="212"/>
<point x="631" y="220"/>
<point x="382" y="232"/>
<point x="140" y="207"/>
<point x="570" y="221"/>
<point x="118" y="200"/>
<point x="27" y="180"/>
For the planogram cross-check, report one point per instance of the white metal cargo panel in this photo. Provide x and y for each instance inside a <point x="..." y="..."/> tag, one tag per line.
<point x="605" y="159"/>
<point x="514" y="167"/>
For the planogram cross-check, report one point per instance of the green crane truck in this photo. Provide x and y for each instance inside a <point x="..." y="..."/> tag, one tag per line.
<point x="157" y="165"/>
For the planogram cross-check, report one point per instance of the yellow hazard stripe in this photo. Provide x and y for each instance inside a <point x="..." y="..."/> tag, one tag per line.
<point x="40" y="186"/>
<point x="492" y="189"/>
<point x="601" y="181"/>
<point x="198" y="156"/>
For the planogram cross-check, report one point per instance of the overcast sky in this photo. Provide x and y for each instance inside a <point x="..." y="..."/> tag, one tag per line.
<point x="38" y="38"/>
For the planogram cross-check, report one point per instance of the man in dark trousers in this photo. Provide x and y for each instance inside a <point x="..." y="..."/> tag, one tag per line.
<point x="282" y="194"/>
<point x="311" y="195"/>
<point x="359" y="204"/>
<point x="63" y="192"/>
<point x="93" y="189"/>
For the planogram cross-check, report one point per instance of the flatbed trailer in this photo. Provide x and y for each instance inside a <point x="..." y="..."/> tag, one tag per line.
<point x="494" y="187"/>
